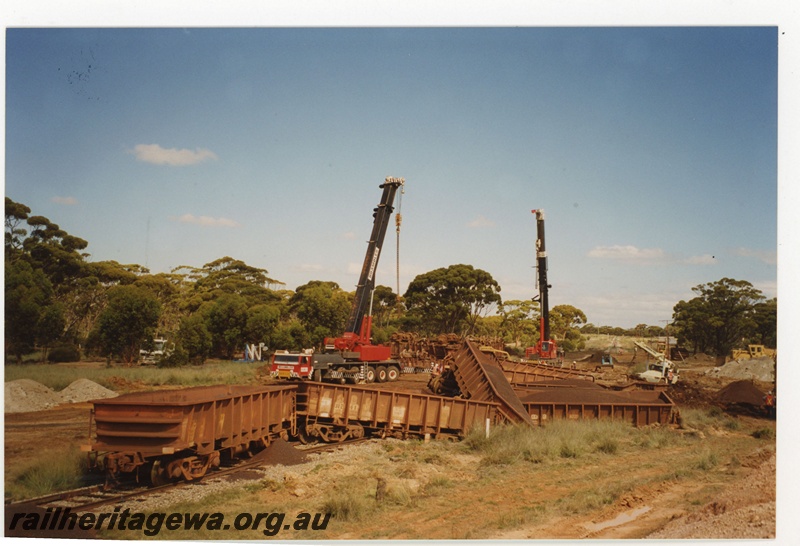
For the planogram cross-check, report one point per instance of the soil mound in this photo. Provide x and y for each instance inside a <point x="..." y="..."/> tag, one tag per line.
<point x="27" y="395"/>
<point x="281" y="452"/>
<point x="761" y="369"/>
<point x="83" y="390"/>
<point x="741" y="392"/>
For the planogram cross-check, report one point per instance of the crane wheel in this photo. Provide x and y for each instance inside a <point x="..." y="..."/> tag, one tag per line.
<point x="381" y="375"/>
<point x="392" y="373"/>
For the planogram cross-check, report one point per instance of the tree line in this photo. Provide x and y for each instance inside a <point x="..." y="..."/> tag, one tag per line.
<point x="61" y="305"/>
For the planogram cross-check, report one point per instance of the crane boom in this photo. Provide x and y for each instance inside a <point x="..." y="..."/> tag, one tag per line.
<point x="352" y="356"/>
<point x="366" y="282"/>
<point x="356" y="338"/>
<point x="546" y="348"/>
<point x="541" y="269"/>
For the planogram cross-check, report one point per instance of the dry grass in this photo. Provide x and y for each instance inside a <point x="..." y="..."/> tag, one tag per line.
<point x="59" y="376"/>
<point x="480" y="488"/>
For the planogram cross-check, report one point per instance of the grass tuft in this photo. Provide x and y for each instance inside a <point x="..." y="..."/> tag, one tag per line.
<point x="764" y="434"/>
<point x="49" y="474"/>
<point x="349" y="503"/>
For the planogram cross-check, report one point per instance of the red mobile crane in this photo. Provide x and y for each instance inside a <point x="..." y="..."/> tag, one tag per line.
<point x="546" y="348"/>
<point x="352" y="356"/>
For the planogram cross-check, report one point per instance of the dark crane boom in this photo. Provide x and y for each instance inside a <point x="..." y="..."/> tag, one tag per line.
<point x="546" y="348"/>
<point x="366" y="282"/>
<point x="356" y="338"/>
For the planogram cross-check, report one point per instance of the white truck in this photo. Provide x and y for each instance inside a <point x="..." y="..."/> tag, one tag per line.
<point x="661" y="371"/>
<point x="159" y="351"/>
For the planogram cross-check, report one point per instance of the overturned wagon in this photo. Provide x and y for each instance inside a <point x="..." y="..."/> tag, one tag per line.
<point x="335" y="413"/>
<point x="182" y="434"/>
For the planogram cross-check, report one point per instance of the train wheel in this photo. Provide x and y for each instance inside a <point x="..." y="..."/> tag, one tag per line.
<point x="304" y="437"/>
<point x="158" y="475"/>
<point x="380" y="374"/>
<point x="392" y="373"/>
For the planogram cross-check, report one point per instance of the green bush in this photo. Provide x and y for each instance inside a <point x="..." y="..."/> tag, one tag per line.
<point x="177" y="358"/>
<point x="64" y="353"/>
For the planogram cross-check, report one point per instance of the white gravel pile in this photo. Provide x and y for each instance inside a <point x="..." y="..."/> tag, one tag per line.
<point x="82" y="390"/>
<point x="27" y="395"/>
<point x="760" y="369"/>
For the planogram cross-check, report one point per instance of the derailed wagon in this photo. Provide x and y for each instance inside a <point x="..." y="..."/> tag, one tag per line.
<point x="182" y="434"/>
<point x="642" y="408"/>
<point x="333" y="413"/>
<point x="168" y="435"/>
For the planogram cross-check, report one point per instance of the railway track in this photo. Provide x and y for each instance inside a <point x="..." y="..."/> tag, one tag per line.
<point x="86" y="499"/>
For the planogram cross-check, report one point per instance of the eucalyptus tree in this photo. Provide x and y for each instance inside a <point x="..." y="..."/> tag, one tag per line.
<point x="721" y="315"/>
<point x="450" y="299"/>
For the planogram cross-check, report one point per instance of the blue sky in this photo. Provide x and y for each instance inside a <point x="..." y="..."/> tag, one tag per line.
<point x="653" y="152"/>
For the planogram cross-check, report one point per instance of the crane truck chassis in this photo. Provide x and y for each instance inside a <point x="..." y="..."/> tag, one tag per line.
<point x="352" y="357"/>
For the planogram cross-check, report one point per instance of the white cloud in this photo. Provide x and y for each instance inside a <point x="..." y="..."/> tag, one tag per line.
<point x="207" y="221"/>
<point x="153" y="153"/>
<point x="627" y="253"/>
<point x="769" y="257"/>
<point x="705" y="259"/>
<point x="768" y="288"/>
<point x="480" y="222"/>
<point x="64" y="200"/>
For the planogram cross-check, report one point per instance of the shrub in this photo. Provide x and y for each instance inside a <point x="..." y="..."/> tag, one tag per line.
<point x="764" y="434"/>
<point x="177" y="358"/>
<point x="607" y="445"/>
<point x="64" y="353"/>
<point x="707" y="461"/>
<point x="348" y="503"/>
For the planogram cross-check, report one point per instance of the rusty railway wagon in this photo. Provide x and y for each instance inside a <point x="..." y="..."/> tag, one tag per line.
<point x="519" y="374"/>
<point x="181" y="434"/>
<point x="645" y="408"/>
<point x="334" y="413"/>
